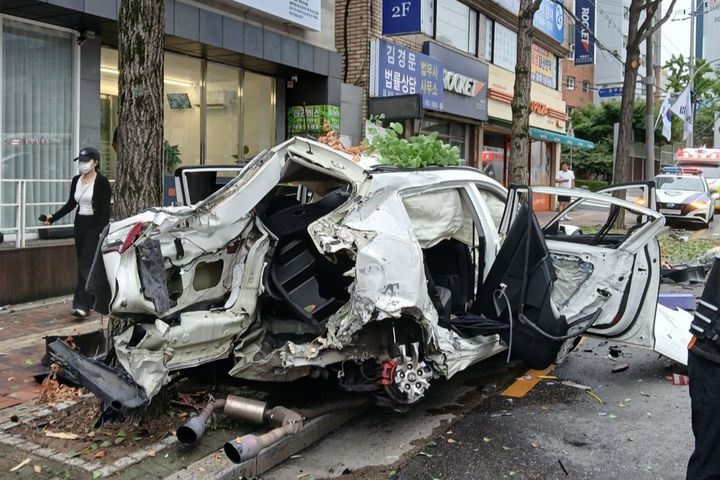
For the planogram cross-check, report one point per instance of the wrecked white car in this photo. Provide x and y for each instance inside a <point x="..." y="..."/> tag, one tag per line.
<point x="310" y="264"/>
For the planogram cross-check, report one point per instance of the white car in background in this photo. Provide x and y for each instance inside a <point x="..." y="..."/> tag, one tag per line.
<point x="682" y="194"/>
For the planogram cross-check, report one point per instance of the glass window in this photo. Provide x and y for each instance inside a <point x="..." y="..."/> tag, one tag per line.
<point x="223" y="115"/>
<point x="183" y="104"/>
<point x="453" y="133"/>
<point x="489" y="29"/>
<point x="504" y="47"/>
<point x="456" y="25"/>
<point x="570" y="83"/>
<point x="108" y="110"/>
<point x="494" y="155"/>
<point x="586" y="86"/>
<point x="258" y="94"/>
<point x="38" y="105"/>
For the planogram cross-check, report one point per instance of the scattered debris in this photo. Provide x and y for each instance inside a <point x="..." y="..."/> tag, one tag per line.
<point x="37" y="468"/>
<point x="534" y="444"/>
<point x="452" y="440"/>
<point x="680" y="380"/>
<point x="487" y="439"/>
<point x="52" y="391"/>
<point x="620" y="367"/>
<point x="504" y="413"/>
<point x="595" y="397"/>
<point x="615" y="351"/>
<point x="602" y="414"/>
<point x="20" y="465"/>
<point x="568" y="383"/>
<point x="62" y="435"/>
<point x="563" y="467"/>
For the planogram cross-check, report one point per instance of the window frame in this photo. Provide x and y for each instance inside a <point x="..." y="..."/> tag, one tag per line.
<point x="471" y="41"/>
<point x="586" y="86"/>
<point x="570" y="82"/>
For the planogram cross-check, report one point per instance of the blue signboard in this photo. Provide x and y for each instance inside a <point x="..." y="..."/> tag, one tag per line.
<point x="610" y="92"/>
<point x="401" y="17"/>
<point x="584" y="45"/>
<point x="396" y="70"/>
<point x="465" y="81"/>
<point x="549" y="19"/>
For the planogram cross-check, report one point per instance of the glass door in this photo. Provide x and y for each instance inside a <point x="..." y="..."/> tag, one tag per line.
<point x="223" y="114"/>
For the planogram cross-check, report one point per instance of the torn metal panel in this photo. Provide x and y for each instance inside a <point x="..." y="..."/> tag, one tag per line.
<point x="572" y="273"/>
<point x="672" y="333"/>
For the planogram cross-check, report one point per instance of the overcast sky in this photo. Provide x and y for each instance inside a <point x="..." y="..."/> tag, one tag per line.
<point x="676" y="31"/>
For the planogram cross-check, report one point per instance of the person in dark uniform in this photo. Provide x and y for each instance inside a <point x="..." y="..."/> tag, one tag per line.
<point x="90" y="195"/>
<point x="704" y="373"/>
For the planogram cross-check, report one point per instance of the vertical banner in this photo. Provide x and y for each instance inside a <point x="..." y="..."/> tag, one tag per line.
<point x="584" y="45"/>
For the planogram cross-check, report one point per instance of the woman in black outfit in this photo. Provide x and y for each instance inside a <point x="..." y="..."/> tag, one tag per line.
<point x="90" y="193"/>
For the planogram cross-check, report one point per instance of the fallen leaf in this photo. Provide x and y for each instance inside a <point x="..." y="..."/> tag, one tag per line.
<point x="106" y="444"/>
<point x="20" y="465"/>
<point x="11" y="379"/>
<point x="487" y="439"/>
<point x="612" y="416"/>
<point x="621" y="367"/>
<point x="151" y="453"/>
<point x="621" y="405"/>
<point x="534" y="445"/>
<point x="62" y="435"/>
<point x="121" y="433"/>
<point x="97" y="474"/>
<point x="423" y="454"/>
<point x="28" y="361"/>
<point x="505" y="448"/>
<point x="37" y="468"/>
<point x="568" y="383"/>
<point x="72" y="454"/>
<point x="100" y="454"/>
<point x="452" y="440"/>
<point x="645" y="394"/>
<point x="118" y="441"/>
<point x="449" y="432"/>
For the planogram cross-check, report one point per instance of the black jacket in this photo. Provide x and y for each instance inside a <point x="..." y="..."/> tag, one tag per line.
<point x="100" y="202"/>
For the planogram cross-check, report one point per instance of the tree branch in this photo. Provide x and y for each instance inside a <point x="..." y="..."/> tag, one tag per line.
<point x="652" y="29"/>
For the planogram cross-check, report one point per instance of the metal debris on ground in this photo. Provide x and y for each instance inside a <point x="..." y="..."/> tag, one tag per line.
<point x="680" y="380"/>
<point x="615" y="351"/>
<point x="620" y="367"/>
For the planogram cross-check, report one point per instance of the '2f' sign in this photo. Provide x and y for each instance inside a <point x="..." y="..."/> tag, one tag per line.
<point x="402" y="10"/>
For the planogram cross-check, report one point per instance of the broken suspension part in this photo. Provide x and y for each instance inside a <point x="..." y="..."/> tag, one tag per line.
<point x="406" y="379"/>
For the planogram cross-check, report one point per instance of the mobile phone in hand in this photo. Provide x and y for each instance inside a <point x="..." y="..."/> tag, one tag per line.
<point x="43" y="218"/>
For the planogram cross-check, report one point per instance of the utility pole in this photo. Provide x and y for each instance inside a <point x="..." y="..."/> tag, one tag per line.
<point x="649" y="110"/>
<point x="691" y="73"/>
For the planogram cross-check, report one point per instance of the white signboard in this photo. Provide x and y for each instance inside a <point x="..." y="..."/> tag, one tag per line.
<point x="304" y="13"/>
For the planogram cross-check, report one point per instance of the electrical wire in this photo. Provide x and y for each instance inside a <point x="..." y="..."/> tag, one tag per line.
<point x="501" y="292"/>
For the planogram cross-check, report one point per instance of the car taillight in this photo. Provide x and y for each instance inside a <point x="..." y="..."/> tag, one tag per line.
<point x="131" y="237"/>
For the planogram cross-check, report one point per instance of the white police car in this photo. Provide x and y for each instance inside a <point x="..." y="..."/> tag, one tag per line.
<point x="682" y="194"/>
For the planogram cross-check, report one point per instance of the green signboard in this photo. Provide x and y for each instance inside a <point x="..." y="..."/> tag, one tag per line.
<point x="310" y="119"/>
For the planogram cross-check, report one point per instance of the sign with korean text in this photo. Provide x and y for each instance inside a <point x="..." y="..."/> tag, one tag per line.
<point x="396" y="70"/>
<point x="549" y="19"/>
<point x="304" y="13"/>
<point x="543" y="68"/>
<point x="610" y="92"/>
<point x="312" y="119"/>
<point x="403" y="17"/>
<point x="584" y="45"/>
<point x="465" y="81"/>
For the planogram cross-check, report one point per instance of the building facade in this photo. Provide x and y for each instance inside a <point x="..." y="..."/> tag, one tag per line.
<point x="463" y="66"/>
<point x="611" y="27"/>
<point x="234" y="70"/>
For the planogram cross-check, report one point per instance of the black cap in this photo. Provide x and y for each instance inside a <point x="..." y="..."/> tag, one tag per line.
<point x="87" y="154"/>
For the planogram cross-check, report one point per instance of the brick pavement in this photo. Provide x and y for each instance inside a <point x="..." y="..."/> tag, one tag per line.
<point x="22" y="344"/>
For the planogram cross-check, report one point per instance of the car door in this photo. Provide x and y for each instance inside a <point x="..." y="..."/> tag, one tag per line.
<point x="605" y="256"/>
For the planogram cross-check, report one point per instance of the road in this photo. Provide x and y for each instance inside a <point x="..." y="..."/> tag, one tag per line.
<point x="642" y="429"/>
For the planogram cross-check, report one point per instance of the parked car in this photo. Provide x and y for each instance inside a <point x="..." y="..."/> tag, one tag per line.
<point x="682" y="194"/>
<point x="310" y="264"/>
<point x="707" y="160"/>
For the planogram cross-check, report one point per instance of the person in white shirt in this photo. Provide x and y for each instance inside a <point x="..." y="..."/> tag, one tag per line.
<point x="565" y="178"/>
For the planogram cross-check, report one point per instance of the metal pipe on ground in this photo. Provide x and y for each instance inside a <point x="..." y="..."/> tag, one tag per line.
<point x="195" y="427"/>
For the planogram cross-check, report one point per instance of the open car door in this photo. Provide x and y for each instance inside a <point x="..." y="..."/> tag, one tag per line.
<point x="605" y="257"/>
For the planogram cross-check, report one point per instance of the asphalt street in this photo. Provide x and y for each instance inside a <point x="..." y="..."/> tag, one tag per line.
<point x="641" y="430"/>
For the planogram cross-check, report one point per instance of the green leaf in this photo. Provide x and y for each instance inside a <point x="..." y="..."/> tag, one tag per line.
<point x="106" y="444"/>
<point x="97" y="474"/>
<point x="73" y="454"/>
<point x="28" y="361"/>
<point x="487" y="439"/>
<point x="121" y="433"/>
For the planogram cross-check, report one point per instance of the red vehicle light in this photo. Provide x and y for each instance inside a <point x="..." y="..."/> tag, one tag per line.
<point x="131" y="237"/>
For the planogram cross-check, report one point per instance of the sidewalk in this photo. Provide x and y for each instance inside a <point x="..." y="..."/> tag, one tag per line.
<point x="23" y="329"/>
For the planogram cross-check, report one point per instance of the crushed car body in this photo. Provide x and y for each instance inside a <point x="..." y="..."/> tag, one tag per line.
<point x="308" y="263"/>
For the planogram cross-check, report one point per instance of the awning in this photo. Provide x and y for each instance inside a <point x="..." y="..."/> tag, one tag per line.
<point x="549" y="136"/>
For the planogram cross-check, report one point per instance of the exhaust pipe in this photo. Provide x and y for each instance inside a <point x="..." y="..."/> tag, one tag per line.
<point x="249" y="446"/>
<point x="195" y="427"/>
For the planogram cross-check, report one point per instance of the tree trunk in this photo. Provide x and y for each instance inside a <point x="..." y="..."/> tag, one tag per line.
<point x="140" y="131"/>
<point x="140" y="157"/>
<point x="519" y="136"/>
<point x="622" y="171"/>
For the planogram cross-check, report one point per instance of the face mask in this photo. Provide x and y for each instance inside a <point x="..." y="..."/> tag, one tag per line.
<point x="84" y="167"/>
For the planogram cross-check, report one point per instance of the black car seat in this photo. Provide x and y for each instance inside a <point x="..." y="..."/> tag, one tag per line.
<point x="451" y="267"/>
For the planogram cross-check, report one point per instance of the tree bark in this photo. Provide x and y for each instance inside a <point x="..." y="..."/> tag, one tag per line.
<point x="139" y="177"/>
<point x="519" y="136"/>
<point x="140" y="54"/>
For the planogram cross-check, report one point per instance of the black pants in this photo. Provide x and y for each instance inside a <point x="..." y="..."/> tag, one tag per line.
<point x="86" y="240"/>
<point x="705" y="402"/>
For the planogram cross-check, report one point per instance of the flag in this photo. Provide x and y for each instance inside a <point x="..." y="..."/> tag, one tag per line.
<point x="666" y="115"/>
<point x="683" y="109"/>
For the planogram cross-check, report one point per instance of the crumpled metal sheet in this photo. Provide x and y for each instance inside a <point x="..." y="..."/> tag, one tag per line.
<point x="151" y="269"/>
<point x="147" y="367"/>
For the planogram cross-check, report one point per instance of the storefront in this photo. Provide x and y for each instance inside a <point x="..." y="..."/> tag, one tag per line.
<point x="453" y="87"/>
<point x="228" y="85"/>
<point x="546" y="115"/>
